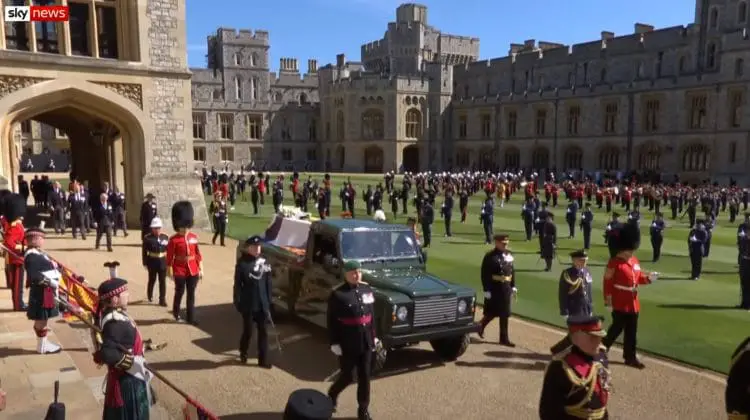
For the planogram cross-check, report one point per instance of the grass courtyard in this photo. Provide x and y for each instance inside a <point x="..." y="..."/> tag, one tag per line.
<point x="690" y="321"/>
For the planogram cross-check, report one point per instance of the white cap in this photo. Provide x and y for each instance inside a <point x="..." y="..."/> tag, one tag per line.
<point x="156" y="223"/>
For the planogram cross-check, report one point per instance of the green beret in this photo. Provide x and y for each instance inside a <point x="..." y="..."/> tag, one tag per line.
<point x="352" y="265"/>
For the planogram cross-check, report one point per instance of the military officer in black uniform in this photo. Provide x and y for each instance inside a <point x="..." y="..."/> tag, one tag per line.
<point x="548" y="235"/>
<point x="571" y="213"/>
<point x="737" y="395"/>
<point x="487" y="218"/>
<point x="252" y="298"/>
<point x="743" y="242"/>
<point x="352" y="335"/>
<point x="148" y="212"/>
<point x="697" y="239"/>
<point x="104" y="220"/>
<point x="656" y="232"/>
<point x="447" y="211"/>
<point x="743" y="236"/>
<point x="154" y="255"/>
<point x="575" y="294"/>
<point x="587" y="218"/>
<point x="566" y="393"/>
<point x="427" y="219"/>
<point x="499" y="284"/>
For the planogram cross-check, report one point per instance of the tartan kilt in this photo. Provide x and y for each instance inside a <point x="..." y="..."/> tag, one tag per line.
<point x="36" y="311"/>
<point x="135" y="401"/>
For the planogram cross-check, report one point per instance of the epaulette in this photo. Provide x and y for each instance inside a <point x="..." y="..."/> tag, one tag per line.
<point x="561" y="355"/>
<point x="116" y="315"/>
<point x="574" y="284"/>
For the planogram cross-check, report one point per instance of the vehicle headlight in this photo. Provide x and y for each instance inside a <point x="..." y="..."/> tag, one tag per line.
<point x="402" y="313"/>
<point x="462" y="307"/>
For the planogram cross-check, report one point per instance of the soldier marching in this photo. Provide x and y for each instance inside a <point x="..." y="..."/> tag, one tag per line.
<point x="499" y="284"/>
<point x="154" y="256"/>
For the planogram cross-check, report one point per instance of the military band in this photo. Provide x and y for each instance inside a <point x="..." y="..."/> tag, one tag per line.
<point x="577" y="381"/>
<point x="352" y="334"/>
<point x="184" y="260"/>
<point x="252" y="298"/>
<point x="44" y="278"/>
<point x="499" y="284"/>
<point x="737" y="395"/>
<point x="154" y="258"/>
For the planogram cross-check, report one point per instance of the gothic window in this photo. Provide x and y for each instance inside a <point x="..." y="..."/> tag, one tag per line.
<point x="485" y="122"/>
<point x="199" y="153"/>
<point x="512" y="158"/>
<point x="413" y="124"/>
<point x="512" y="123"/>
<point x="238" y="88"/>
<point x="254" y="127"/>
<point x="237" y="60"/>
<point x="742" y="12"/>
<point x="540" y="158"/>
<point x="714" y="19"/>
<point x="651" y="116"/>
<point x="302" y="98"/>
<point x="695" y="158"/>
<point x="340" y="134"/>
<point x="610" y="118"/>
<point x="253" y="60"/>
<point x="739" y="67"/>
<point x="462" y="127"/>
<point x="711" y="56"/>
<point x="574" y="119"/>
<point x="199" y="125"/>
<point x="227" y="153"/>
<point x="46" y="32"/>
<point x="698" y="112"/>
<point x="16" y="33"/>
<point x="649" y="158"/>
<point x="372" y="125"/>
<point x="541" y="122"/>
<point x="254" y="88"/>
<point x="609" y="159"/>
<point x="573" y="159"/>
<point x="737" y="101"/>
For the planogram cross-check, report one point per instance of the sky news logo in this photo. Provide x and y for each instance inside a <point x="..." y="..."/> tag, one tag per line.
<point x="36" y="13"/>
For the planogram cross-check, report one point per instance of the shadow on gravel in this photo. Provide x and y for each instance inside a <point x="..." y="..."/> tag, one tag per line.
<point x="518" y="355"/>
<point x="265" y="416"/>
<point x="192" y="364"/>
<point x="536" y="366"/>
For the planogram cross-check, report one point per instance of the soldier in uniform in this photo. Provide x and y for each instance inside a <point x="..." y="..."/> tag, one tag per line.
<point x="587" y="218"/>
<point x="656" y="231"/>
<point x="252" y="298"/>
<point x="611" y="231"/>
<point x="427" y="219"/>
<point x="697" y="239"/>
<point x="487" y="217"/>
<point x="105" y="219"/>
<point x="120" y="347"/>
<point x="148" y="212"/>
<point x="574" y="293"/>
<point x="622" y="278"/>
<point x="743" y="242"/>
<point x="527" y="214"/>
<point x="570" y="217"/>
<point x="218" y="208"/>
<point x="577" y="381"/>
<point x="737" y="395"/>
<point x="13" y="240"/>
<point x="499" y="284"/>
<point x="42" y="290"/>
<point x="352" y="335"/>
<point x="184" y="260"/>
<point x="549" y="241"/>
<point x="154" y="251"/>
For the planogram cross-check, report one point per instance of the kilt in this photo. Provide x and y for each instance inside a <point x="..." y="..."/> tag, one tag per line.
<point x="36" y="311"/>
<point x="135" y="406"/>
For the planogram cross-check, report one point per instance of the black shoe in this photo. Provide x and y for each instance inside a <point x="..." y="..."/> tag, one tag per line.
<point x="635" y="363"/>
<point x="193" y="322"/>
<point x="243" y="358"/>
<point x="265" y="364"/>
<point x="150" y="300"/>
<point x="507" y="343"/>
<point x="363" y="414"/>
<point x="163" y="303"/>
<point x="109" y="250"/>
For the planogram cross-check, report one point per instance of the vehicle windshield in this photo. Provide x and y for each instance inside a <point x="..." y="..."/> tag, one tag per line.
<point x="377" y="244"/>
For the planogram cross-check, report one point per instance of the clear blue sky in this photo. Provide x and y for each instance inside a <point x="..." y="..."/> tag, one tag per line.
<point x="321" y="29"/>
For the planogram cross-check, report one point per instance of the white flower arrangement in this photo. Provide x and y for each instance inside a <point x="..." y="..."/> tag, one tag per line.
<point x="293" y="212"/>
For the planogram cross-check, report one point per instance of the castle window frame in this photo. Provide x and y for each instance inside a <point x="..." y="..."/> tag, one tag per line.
<point x="573" y="158"/>
<point x="610" y="117"/>
<point x="254" y="125"/>
<point x="199" y="153"/>
<point x="512" y="123"/>
<point x="340" y="126"/>
<point x="696" y="158"/>
<point x="372" y="124"/>
<point x="711" y="56"/>
<point x="485" y="122"/>
<point x="253" y="59"/>
<point x="303" y="98"/>
<point x="463" y="126"/>
<point x="199" y="125"/>
<point x="541" y="122"/>
<point x="287" y="154"/>
<point x="16" y="33"/>
<point x="227" y="153"/>
<point x="26" y="128"/>
<point x="255" y="153"/>
<point x="237" y="59"/>
<point x="739" y="68"/>
<point x="698" y="111"/>
<point x="609" y="159"/>
<point x="574" y="120"/>
<point x="512" y="158"/>
<point x="254" y="88"/>
<point x="413" y="124"/>
<point x="237" y="88"/>
<point x="226" y="126"/>
<point x="651" y="115"/>
<point x="737" y="102"/>
<point x="713" y="20"/>
<point x="742" y="12"/>
<point x="649" y="157"/>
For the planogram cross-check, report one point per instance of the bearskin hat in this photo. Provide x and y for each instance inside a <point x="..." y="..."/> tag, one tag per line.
<point x="182" y="215"/>
<point x="628" y="238"/>
<point x="327" y="176"/>
<point x="3" y="197"/>
<point x="223" y="178"/>
<point x="15" y="207"/>
<point x="295" y="175"/>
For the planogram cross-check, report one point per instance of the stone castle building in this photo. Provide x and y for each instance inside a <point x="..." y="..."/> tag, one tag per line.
<point x="114" y="79"/>
<point x="671" y="100"/>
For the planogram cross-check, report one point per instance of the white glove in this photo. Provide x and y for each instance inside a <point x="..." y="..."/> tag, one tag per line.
<point x="377" y="342"/>
<point x="515" y="291"/>
<point x="488" y="295"/>
<point x="565" y="317"/>
<point x="336" y="349"/>
<point x="653" y="276"/>
<point x="693" y="239"/>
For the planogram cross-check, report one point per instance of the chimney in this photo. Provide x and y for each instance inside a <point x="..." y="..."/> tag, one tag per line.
<point x="293" y="66"/>
<point x="642" y="28"/>
<point x="607" y="35"/>
<point x="340" y="60"/>
<point x="529" y="44"/>
<point x="514" y="48"/>
<point x="312" y="66"/>
<point x="282" y="64"/>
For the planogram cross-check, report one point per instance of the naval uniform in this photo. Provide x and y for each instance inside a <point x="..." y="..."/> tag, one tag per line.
<point x="499" y="283"/>
<point x="252" y="299"/>
<point x="351" y="326"/>
<point x="154" y="256"/>
<point x="737" y="395"/>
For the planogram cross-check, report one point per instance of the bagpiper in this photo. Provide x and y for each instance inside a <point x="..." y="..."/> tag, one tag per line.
<point x="154" y="253"/>
<point x="43" y="283"/>
<point x="737" y="395"/>
<point x="128" y="392"/>
<point x="13" y="240"/>
<point x="577" y="381"/>
<point x="184" y="260"/>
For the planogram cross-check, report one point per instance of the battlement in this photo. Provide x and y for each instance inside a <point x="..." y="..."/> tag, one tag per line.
<point x="242" y="36"/>
<point x="362" y="81"/>
<point x="294" y="80"/>
<point x="375" y="45"/>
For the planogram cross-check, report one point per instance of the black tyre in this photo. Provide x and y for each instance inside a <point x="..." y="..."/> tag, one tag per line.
<point x="451" y="348"/>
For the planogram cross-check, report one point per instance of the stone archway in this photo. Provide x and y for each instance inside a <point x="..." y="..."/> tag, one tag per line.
<point x="373" y="160"/>
<point x="410" y="158"/>
<point x="107" y="133"/>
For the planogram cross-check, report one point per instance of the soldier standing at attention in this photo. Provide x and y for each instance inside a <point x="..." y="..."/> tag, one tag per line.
<point x="352" y="335"/>
<point x="611" y="232"/>
<point x="148" y="212"/>
<point x="743" y="237"/>
<point x="42" y="291"/>
<point x="577" y="381"/>
<point x="252" y="298"/>
<point x="121" y="347"/>
<point x="499" y="283"/>
<point x="587" y="217"/>
<point x="218" y="208"/>
<point x="744" y="272"/>
<point x="104" y="220"/>
<point x="621" y="280"/>
<point x="549" y="241"/>
<point x="697" y="239"/>
<point x="657" y="235"/>
<point x="427" y="219"/>
<point x="487" y="217"/>
<point x="570" y="216"/>
<point x="527" y="214"/>
<point x="447" y="211"/>
<point x="155" y="261"/>
<point x="184" y="260"/>
<point x="254" y="197"/>
<point x="737" y="395"/>
<point x="574" y="293"/>
<point x="13" y="240"/>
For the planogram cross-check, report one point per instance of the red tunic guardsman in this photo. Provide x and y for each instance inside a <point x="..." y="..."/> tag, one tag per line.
<point x="184" y="260"/>
<point x="622" y="278"/>
<point x="13" y="240"/>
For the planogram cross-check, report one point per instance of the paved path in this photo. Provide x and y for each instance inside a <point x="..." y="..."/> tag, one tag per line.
<point x="487" y="380"/>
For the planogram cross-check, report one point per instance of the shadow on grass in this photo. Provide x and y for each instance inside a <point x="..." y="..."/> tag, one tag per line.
<point x="690" y="306"/>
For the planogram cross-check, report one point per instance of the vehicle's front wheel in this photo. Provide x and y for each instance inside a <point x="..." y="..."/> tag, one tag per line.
<point x="451" y="348"/>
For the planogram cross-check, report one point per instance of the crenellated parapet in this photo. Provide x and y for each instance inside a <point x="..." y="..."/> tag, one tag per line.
<point x="242" y="36"/>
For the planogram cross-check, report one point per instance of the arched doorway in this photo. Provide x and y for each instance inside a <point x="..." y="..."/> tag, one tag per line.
<point x="105" y="131"/>
<point x="410" y="158"/>
<point x="373" y="160"/>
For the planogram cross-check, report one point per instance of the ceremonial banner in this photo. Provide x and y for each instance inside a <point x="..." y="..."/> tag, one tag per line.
<point x="195" y="411"/>
<point x="78" y="295"/>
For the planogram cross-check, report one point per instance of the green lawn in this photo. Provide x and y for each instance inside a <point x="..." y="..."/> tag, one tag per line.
<point x="694" y="322"/>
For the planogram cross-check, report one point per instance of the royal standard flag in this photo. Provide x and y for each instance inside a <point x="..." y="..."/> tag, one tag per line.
<point x="194" y="411"/>
<point x="78" y="294"/>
